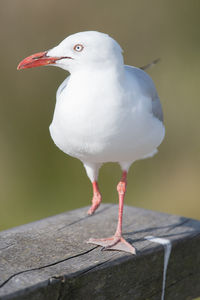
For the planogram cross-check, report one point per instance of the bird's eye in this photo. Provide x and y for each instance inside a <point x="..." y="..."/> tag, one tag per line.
<point x="78" y="47"/>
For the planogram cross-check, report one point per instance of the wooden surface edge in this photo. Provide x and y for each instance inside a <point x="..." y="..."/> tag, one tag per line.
<point x="94" y="274"/>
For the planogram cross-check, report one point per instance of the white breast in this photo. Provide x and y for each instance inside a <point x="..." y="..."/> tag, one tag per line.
<point x="97" y="123"/>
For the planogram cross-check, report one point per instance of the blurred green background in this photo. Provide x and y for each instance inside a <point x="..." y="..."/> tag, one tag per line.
<point x="38" y="180"/>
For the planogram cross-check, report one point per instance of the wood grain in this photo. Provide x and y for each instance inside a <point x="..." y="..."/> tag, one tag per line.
<point x="50" y="259"/>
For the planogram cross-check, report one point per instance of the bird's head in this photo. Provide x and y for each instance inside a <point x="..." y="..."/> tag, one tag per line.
<point x="81" y="50"/>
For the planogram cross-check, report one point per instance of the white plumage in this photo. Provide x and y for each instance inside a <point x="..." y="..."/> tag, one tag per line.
<point x="105" y="111"/>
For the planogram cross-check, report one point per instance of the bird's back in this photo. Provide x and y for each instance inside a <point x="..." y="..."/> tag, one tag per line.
<point x="147" y="88"/>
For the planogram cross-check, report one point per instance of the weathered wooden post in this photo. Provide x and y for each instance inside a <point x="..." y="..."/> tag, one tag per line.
<point x="50" y="259"/>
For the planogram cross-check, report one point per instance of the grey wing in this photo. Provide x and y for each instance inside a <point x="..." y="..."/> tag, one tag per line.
<point x="147" y="87"/>
<point x="157" y="109"/>
<point x="62" y="87"/>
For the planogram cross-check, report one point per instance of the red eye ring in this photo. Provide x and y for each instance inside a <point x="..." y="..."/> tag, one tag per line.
<point x="78" y="47"/>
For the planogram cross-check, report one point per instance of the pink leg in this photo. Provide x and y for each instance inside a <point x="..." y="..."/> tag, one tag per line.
<point x="117" y="242"/>
<point x="121" y="188"/>
<point x="96" y="200"/>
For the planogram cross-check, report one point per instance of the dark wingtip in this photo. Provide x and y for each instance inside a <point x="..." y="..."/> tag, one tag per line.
<point x="154" y="62"/>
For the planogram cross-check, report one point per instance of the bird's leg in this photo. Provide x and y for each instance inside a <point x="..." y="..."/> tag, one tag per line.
<point x="121" y="188"/>
<point x="96" y="200"/>
<point x="117" y="242"/>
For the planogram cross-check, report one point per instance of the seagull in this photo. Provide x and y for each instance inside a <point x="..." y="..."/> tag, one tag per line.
<point x="105" y="111"/>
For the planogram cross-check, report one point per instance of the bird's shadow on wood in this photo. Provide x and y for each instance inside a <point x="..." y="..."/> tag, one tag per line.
<point x="85" y="217"/>
<point x="184" y="223"/>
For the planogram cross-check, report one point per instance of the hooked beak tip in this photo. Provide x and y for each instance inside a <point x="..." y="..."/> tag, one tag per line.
<point x="20" y="66"/>
<point x="36" y="60"/>
<point x="39" y="59"/>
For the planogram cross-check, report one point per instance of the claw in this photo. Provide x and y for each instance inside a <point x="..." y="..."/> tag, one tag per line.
<point x="113" y="243"/>
<point x="116" y="242"/>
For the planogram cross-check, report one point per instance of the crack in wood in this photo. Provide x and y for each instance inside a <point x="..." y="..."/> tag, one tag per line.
<point x="62" y="279"/>
<point x="90" y="272"/>
<point x="7" y="247"/>
<point x="46" y="266"/>
<point x="94" y="267"/>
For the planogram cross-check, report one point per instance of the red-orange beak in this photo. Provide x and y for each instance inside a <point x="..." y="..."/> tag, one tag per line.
<point x="38" y="59"/>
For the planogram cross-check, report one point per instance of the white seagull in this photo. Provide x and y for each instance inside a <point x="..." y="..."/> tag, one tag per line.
<point x="105" y="112"/>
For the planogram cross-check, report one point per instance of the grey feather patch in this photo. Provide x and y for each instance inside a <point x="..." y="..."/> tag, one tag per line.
<point x="157" y="109"/>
